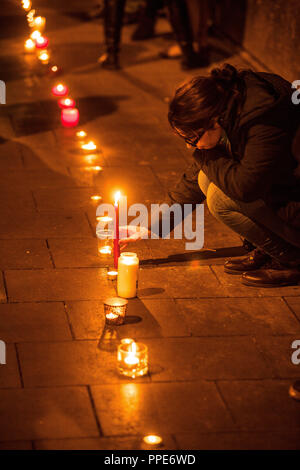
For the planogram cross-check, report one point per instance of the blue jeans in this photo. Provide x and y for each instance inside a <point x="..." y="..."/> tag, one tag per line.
<point x="271" y="236"/>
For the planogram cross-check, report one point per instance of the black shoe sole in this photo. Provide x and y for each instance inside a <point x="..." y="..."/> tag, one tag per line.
<point x="234" y="273"/>
<point x="261" y="284"/>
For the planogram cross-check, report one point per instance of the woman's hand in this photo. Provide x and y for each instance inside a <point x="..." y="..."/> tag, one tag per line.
<point x="130" y="234"/>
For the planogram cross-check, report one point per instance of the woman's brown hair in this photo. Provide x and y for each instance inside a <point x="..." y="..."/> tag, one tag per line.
<point x="198" y="102"/>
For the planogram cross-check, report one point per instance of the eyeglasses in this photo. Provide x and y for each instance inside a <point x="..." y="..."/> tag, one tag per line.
<point x="194" y="142"/>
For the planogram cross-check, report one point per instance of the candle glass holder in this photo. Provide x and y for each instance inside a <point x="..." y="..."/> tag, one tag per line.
<point x="115" y="310"/>
<point x="132" y="359"/>
<point x="105" y="243"/>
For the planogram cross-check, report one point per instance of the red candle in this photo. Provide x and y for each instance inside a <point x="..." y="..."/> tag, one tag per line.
<point x="70" y="117"/>
<point x="116" y="233"/>
<point x="65" y="103"/>
<point x="41" y="42"/>
<point x="60" y="90"/>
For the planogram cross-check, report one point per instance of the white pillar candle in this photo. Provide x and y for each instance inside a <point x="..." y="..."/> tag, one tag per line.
<point x="128" y="268"/>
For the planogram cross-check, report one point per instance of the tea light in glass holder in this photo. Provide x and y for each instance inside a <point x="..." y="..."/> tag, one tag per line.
<point x="29" y="45"/>
<point x="65" y="103"/>
<point x="89" y="147"/>
<point x="54" y="70"/>
<point x="60" y="90"/>
<point x="105" y="242"/>
<point x="26" y="4"/>
<point x="115" y="310"/>
<point x="132" y="358"/>
<point x="112" y="275"/>
<point x="35" y="34"/>
<point x="39" y="23"/>
<point x="70" y="117"/>
<point x="44" y="57"/>
<point x="41" y="42"/>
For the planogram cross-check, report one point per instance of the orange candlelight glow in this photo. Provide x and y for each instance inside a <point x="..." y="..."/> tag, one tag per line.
<point x="81" y="134"/>
<point x="89" y="146"/>
<point x="35" y="34"/>
<point x="117" y="197"/>
<point x="29" y="45"/>
<point x="152" y="439"/>
<point x="96" y="198"/>
<point x="44" y="57"/>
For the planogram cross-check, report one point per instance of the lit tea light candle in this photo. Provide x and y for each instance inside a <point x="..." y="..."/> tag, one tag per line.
<point x="81" y="134"/>
<point x="112" y="275"/>
<point x="66" y="103"/>
<point x="70" y="117"/>
<point x="152" y="439"/>
<point x="29" y="45"/>
<point x="89" y="147"/>
<point x="41" y="42"/>
<point x="26" y="4"/>
<point x="44" y="57"/>
<point x="106" y="250"/>
<point x="35" y="34"/>
<point x="115" y="310"/>
<point x="128" y="269"/>
<point x="96" y="198"/>
<point x="39" y="22"/>
<point x="132" y="358"/>
<point x="60" y="90"/>
<point x="54" y="70"/>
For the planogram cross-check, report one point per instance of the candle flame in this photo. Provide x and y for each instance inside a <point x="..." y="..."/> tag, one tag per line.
<point x="152" y="439"/>
<point x="96" y="198"/>
<point x="38" y="20"/>
<point x="89" y="146"/>
<point x="67" y="101"/>
<point x="44" y="56"/>
<point x="35" y="34"/>
<point x="54" y="68"/>
<point x="60" y="87"/>
<point x="117" y="197"/>
<point x="29" y="44"/>
<point x="81" y="134"/>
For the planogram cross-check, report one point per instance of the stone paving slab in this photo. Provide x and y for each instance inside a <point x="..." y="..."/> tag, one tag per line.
<point x="233" y="287"/>
<point x="75" y="253"/>
<point x="9" y="373"/>
<point x="58" y="284"/>
<point x="65" y="363"/>
<point x="39" y="321"/>
<point x="26" y="254"/>
<point x="294" y="304"/>
<point x="214" y="358"/>
<point x="47" y="413"/>
<point x="161" y="282"/>
<point x="28" y="224"/>
<point x="160" y="408"/>
<point x="16" y="445"/>
<point x="262" y="405"/>
<point x="115" y="443"/>
<point x="10" y="156"/>
<point x="278" y="352"/>
<point x="244" y="316"/>
<point x="65" y="199"/>
<point x="16" y="199"/>
<point x="33" y="179"/>
<point x="144" y="319"/>
<point x="239" y="441"/>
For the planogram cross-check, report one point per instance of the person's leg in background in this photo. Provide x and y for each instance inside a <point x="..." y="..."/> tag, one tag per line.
<point x="284" y="269"/>
<point x="180" y="22"/>
<point x="147" y="19"/>
<point x="113" y="20"/>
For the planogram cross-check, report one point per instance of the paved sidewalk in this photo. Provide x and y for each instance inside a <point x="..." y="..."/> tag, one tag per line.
<point x="220" y="353"/>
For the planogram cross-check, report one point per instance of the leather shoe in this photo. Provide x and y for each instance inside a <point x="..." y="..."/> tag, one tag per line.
<point x="255" y="260"/>
<point x="272" y="275"/>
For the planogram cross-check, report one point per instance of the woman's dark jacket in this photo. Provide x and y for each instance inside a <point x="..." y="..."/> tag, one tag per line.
<point x="261" y="163"/>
